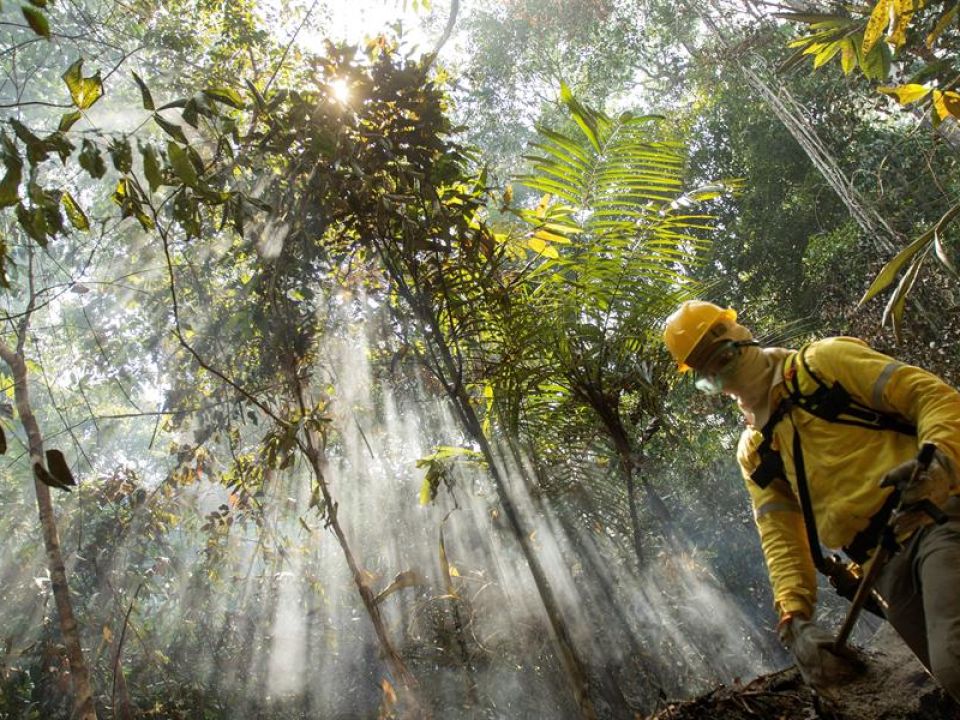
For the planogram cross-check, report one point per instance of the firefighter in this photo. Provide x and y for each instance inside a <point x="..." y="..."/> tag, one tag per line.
<point x="832" y="430"/>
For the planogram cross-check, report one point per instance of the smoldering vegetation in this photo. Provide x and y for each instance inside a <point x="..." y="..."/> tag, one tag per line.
<point x="236" y="601"/>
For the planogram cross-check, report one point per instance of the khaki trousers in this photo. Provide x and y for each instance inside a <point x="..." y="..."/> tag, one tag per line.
<point x="921" y="585"/>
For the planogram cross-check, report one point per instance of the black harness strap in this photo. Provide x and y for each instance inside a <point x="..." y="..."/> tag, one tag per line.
<point x="809" y="521"/>
<point x="827" y="403"/>
<point x="867" y="539"/>
<point x="830" y="402"/>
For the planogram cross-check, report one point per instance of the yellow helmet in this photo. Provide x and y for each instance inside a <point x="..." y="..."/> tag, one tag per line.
<point x="688" y="324"/>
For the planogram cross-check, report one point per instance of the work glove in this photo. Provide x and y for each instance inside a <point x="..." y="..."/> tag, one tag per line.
<point x="935" y="484"/>
<point x="821" y="666"/>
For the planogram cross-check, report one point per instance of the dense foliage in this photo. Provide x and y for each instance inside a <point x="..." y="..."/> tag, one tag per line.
<point x="336" y="369"/>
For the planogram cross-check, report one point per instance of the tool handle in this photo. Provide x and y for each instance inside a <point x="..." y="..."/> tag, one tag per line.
<point x="924" y="458"/>
<point x="860" y="598"/>
<point x="881" y="555"/>
<point x="930" y="508"/>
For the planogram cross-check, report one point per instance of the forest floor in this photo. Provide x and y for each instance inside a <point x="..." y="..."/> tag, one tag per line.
<point x="894" y="687"/>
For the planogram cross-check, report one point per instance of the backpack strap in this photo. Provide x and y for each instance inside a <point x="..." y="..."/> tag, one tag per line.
<point x="828" y="402"/>
<point x="771" y="464"/>
<point x="834" y="404"/>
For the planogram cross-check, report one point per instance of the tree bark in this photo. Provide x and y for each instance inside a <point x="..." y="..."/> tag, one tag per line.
<point x="626" y="467"/>
<point x="83" y="707"/>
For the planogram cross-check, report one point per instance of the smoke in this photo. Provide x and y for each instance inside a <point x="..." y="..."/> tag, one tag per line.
<point x="270" y="238"/>
<point x="256" y="609"/>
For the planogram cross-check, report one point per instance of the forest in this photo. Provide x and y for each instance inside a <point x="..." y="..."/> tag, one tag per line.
<point x="332" y="379"/>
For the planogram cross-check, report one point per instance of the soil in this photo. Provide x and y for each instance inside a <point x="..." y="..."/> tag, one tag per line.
<point x="894" y="687"/>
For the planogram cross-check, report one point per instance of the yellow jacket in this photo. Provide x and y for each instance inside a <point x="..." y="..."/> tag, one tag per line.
<point x="843" y="463"/>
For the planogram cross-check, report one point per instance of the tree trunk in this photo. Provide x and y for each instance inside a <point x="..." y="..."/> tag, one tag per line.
<point x="445" y="368"/>
<point x="626" y="467"/>
<point x="569" y="658"/>
<point x="409" y="687"/>
<point x="83" y="707"/>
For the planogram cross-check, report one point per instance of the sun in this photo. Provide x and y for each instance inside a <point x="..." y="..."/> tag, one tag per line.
<point x="352" y="21"/>
<point x="340" y="90"/>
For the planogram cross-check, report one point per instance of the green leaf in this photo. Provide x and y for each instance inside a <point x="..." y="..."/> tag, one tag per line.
<point x="84" y="91"/>
<point x="583" y="117"/>
<point x="146" y="222"/>
<point x="172" y="129"/>
<point x="876" y="63"/>
<point x="59" y="468"/>
<point x="67" y="121"/>
<point x="812" y="18"/>
<point x="91" y="160"/>
<point x="541" y="247"/>
<point x="848" y="56"/>
<point x="144" y="93"/>
<point x="185" y="210"/>
<point x="930" y="71"/>
<point x="34" y="223"/>
<point x="36" y="149"/>
<point x="151" y="167"/>
<point x="36" y="20"/>
<point x="893" y="312"/>
<point x="191" y="113"/>
<point x="226" y="96"/>
<point x="10" y="185"/>
<point x="182" y="167"/>
<point x="890" y="271"/>
<point x="58" y="141"/>
<point x="178" y="103"/>
<point x="122" y="154"/>
<point x="938" y="231"/>
<point x="257" y="97"/>
<point x="44" y="476"/>
<point x="827" y="53"/>
<point x="74" y="212"/>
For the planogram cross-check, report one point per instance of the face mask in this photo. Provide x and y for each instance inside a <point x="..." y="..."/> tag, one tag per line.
<point x="720" y="366"/>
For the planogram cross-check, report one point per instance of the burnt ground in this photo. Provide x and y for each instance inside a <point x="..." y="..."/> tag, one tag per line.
<point x="894" y="687"/>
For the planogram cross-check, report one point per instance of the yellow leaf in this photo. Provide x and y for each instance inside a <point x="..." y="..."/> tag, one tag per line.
<point x="548" y="236"/>
<point x="543" y="205"/>
<point x="562" y="230"/>
<point x="879" y="20"/>
<point x="825" y="55"/>
<point x="951" y="103"/>
<point x="454" y="572"/>
<point x="903" y="12"/>
<point x="425" y="492"/>
<point x="940" y="105"/>
<point x="107" y="634"/>
<point x="905" y="94"/>
<point x="942" y="25"/>
<point x="542" y="248"/>
<point x="848" y="56"/>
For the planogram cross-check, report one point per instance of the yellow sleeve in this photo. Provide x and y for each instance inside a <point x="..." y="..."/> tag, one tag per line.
<point x="783" y="537"/>
<point x="882" y="383"/>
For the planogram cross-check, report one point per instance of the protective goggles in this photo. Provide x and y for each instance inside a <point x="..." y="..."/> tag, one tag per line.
<point x="717" y="368"/>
